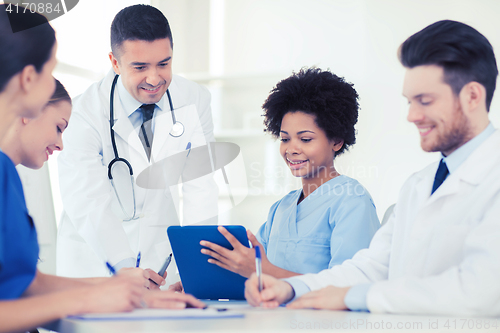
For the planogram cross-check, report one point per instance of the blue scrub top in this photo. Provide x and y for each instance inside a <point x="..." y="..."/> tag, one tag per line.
<point x="18" y="239"/>
<point x="329" y="226"/>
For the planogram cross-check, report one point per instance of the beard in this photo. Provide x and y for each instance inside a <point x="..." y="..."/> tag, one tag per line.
<point x="455" y="135"/>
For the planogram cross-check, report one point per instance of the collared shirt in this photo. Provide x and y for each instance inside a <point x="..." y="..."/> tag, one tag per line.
<point x="455" y="159"/>
<point x="131" y="106"/>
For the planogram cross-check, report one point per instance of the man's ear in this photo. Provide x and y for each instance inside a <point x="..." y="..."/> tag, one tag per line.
<point x="27" y="78"/>
<point x="114" y="63"/>
<point x="473" y="97"/>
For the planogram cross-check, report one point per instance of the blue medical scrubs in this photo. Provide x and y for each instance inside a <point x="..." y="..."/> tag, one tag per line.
<point x="326" y="228"/>
<point x="18" y="240"/>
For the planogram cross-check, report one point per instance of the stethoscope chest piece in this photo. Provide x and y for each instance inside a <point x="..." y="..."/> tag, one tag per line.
<point x="177" y="129"/>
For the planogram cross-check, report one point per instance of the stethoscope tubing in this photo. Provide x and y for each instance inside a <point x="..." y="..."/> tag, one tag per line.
<point x="176" y="130"/>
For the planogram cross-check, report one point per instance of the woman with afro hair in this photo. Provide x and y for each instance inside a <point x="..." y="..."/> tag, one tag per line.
<point x="313" y="113"/>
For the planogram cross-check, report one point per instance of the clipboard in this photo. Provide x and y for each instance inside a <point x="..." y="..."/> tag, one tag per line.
<point x="199" y="277"/>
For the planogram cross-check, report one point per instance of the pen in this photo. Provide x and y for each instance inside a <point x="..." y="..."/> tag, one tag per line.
<point x="111" y="269"/>
<point x="188" y="147"/>
<point x="258" y="266"/>
<point x="138" y="262"/>
<point x="163" y="268"/>
<point x="165" y="265"/>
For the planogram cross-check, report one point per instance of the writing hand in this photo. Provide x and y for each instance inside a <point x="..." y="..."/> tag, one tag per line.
<point x="274" y="292"/>
<point x="123" y="292"/>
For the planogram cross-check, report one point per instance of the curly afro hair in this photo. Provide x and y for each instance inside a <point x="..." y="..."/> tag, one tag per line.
<point x="331" y="99"/>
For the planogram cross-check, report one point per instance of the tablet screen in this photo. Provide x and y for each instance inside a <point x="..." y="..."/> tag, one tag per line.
<point x="199" y="277"/>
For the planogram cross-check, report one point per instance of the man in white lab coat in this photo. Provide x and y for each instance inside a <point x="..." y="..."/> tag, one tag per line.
<point x="113" y="221"/>
<point x="439" y="252"/>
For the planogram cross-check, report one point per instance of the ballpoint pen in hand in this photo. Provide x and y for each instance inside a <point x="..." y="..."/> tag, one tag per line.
<point x="113" y="272"/>
<point x="163" y="268"/>
<point x="111" y="269"/>
<point x="165" y="265"/>
<point x="138" y="262"/>
<point x="258" y="266"/>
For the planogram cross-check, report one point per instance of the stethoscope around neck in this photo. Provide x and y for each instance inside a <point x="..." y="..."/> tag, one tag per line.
<point x="176" y="131"/>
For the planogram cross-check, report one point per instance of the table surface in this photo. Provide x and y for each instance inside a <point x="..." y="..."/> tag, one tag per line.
<point x="285" y="320"/>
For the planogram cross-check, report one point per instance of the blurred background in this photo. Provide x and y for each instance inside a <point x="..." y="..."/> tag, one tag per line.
<point x="240" y="49"/>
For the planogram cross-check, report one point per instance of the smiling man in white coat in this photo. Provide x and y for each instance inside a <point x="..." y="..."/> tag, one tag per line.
<point x="439" y="252"/>
<point x="107" y="216"/>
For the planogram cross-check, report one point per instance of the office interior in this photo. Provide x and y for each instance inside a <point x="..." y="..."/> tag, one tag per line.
<point x="239" y="49"/>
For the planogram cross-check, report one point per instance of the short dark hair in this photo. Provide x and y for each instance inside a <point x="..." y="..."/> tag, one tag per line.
<point x="463" y="52"/>
<point x="59" y="95"/>
<point x="139" y="22"/>
<point x="329" y="98"/>
<point x="31" y="44"/>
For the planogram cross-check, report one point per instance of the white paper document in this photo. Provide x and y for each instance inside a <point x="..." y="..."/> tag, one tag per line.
<point x="159" y="314"/>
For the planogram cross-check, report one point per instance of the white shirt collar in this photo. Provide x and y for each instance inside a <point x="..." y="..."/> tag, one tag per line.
<point x="129" y="103"/>
<point x="455" y="159"/>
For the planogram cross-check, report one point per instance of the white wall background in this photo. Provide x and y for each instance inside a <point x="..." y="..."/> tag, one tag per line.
<point x="241" y="48"/>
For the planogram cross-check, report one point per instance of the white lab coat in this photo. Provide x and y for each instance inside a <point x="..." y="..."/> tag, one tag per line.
<point x="92" y="230"/>
<point x="437" y="254"/>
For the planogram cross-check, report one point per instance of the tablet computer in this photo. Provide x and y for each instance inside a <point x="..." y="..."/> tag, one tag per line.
<point x="199" y="277"/>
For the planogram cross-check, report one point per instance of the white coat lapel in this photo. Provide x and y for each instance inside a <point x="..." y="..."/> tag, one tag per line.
<point x="450" y="186"/>
<point x="124" y="129"/>
<point x="122" y="125"/>
<point x="472" y="171"/>
<point x="424" y="186"/>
